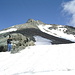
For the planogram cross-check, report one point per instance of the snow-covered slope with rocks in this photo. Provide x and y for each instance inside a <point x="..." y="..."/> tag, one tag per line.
<point x="59" y="32"/>
<point x="66" y="34"/>
<point x="43" y="58"/>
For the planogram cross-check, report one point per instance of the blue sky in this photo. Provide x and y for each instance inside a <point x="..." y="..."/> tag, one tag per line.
<point x="13" y="12"/>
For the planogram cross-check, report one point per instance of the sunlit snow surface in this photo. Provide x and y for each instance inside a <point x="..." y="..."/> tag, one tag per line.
<point x="39" y="59"/>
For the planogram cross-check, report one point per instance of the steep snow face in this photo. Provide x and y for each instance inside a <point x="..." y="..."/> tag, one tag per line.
<point x="38" y="60"/>
<point x="9" y="30"/>
<point x="59" y="32"/>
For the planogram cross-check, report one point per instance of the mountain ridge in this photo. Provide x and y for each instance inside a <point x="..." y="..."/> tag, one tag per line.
<point x="31" y="23"/>
<point x="32" y="28"/>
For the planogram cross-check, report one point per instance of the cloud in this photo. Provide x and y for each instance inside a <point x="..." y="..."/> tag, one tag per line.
<point x="69" y="9"/>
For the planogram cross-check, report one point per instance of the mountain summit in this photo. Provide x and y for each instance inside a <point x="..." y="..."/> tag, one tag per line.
<point x="28" y="33"/>
<point x="32" y="20"/>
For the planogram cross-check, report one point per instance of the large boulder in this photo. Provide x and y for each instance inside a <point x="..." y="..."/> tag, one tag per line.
<point x="3" y="44"/>
<point x="19" y="42"/>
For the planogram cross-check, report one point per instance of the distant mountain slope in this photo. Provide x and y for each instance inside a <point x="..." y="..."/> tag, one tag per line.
<point x="25" y="34"/>
<point x="59" y="31"/>
<point x="50" y="31"/>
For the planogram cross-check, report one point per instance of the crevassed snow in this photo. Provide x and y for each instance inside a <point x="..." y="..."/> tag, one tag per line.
<point x="57" y="33"/>
<point x="9" y="30"/>
<point x="38" y="60"/>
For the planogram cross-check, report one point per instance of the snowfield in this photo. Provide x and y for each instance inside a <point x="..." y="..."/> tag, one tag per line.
<point x="39" y="59"/>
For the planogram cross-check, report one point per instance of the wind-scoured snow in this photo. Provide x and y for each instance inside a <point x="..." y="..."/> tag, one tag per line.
<point x="9" y="30"/>
<point x="57" y="33"/>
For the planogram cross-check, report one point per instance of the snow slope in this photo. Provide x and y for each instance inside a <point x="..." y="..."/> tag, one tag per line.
<point x="39" y="59"/>
<point x="57" y="33"/>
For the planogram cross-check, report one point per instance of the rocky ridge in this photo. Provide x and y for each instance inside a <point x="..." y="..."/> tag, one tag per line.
<point x="23" y="35"/>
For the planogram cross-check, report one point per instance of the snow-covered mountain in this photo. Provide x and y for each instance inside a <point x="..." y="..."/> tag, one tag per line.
<point x="40" y="60"/>
<point x="43" y="58"/>
<point x="58" y="31"/>
<point x="57" y="34"/>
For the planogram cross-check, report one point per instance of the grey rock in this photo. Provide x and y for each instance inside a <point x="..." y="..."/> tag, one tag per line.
<point x="19" y="42"/>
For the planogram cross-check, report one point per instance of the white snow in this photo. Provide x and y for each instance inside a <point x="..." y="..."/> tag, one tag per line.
<point x="57" y="33"/>
<point x="41" y="59"/>
<point x="42" y="41"/>
<point x="9" y="30"/>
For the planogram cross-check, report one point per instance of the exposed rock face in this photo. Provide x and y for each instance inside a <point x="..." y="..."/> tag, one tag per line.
<point x="24" y="34"/>
<point x="3" y="44"/>
<point x="30" y="20"/>
<point x="19" y="42"/>
<point x="36" y="22"/>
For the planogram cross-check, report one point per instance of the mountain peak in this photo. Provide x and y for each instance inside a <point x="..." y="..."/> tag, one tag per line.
<point x="33" y="21"/>
<point x="30" y="20"/>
